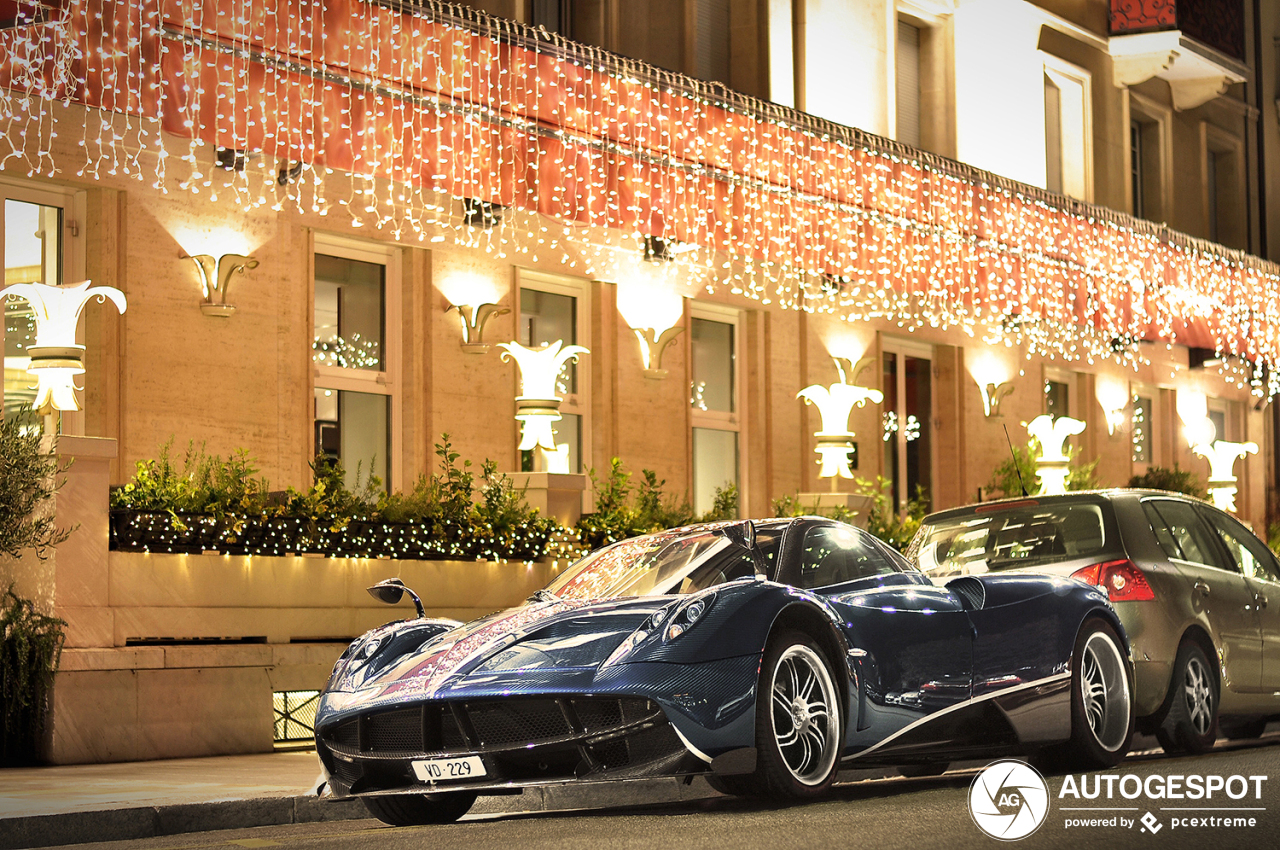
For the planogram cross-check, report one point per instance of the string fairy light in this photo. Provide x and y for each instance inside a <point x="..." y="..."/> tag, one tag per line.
<point x="395" y="112"/>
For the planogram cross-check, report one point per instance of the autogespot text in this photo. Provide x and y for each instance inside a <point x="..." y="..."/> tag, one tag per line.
<point x="1180" y="802"/>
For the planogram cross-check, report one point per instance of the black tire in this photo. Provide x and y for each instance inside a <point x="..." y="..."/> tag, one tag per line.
<point x="420" y="809"/>
<point x="914" y="771"/>
<point x="1102" y="714"/>
<point x="1191" y="723"/>
<point x="1242" y="728"/>
<point x="799" y="721"/>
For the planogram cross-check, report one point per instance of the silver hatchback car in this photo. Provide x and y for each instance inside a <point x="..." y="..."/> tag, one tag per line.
<point x="1193" y="587"/>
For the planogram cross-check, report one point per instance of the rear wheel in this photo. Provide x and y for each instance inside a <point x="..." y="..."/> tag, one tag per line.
<point x="1101" y="703"/>
<point x="1190" y="726"/>
<point x="799" y="720"/>
<point x="418" y="809"/>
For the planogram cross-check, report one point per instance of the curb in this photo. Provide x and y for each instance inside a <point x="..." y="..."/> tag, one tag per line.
<point x="156" y="821"/>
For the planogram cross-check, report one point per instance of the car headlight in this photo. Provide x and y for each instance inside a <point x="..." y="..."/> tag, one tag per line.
<point x="689" y="614"/>
<point x="649" y="627"/>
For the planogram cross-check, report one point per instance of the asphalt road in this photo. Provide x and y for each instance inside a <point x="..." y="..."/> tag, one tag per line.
<point x="879" y="814"/>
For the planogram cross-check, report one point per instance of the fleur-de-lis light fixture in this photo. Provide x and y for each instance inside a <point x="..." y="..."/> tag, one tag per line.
<point x="1051" y="464"/>
<point x="992" y="393"/>
<point x="215" y="279"/>
<point x="652" y="346"/>
<point x="538" y="406"/>
<point x="1222" y="457"/>
<point x="56" y="359"/>
<point x="835" y="440"/>
<point x="473" y="320"/>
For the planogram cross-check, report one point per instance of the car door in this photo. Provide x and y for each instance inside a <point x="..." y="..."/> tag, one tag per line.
<point x="911" y="642"/>
<point x="1262" y="573"/>
<point x="1217" y="588"/>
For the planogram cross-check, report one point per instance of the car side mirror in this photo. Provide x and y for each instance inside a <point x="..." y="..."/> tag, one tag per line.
<point x="391" y="591"/>
<point x="743" y="535"/>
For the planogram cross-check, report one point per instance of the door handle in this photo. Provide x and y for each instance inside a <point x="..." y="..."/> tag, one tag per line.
<point x="1202" y="587"/>
<point x="1260" y="599"/>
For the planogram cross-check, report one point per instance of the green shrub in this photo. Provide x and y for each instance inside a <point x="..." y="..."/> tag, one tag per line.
<point x="30" y="647"/>
<point x="616" y="518"/>
<point x="1174" y="480"/>
<point x="28" y="479"/>
<point x="882" y="519"/>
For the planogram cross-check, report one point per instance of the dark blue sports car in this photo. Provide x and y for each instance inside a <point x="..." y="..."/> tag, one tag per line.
<point x="763" y="655"/>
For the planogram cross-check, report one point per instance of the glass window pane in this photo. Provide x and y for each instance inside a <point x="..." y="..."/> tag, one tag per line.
<point x="1219" y="420"/>
<point x="834" y="555"/>
<point x="715" y="465"/>
<point x="713" y="366"/>
<point x="349" y="314"/>
<point x="1186" y="537"/>
<point x="1140" y="429"/>
<point x="353" y="428"/>
<point x="32" y="254"/>
<point x="918" y="427"/>
<point x="1056" y="398"/>
<point x="546" y="317"/>
<point x="568" y="433"/>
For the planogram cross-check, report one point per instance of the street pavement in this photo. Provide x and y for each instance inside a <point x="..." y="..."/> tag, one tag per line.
<point x="217" y="802"/>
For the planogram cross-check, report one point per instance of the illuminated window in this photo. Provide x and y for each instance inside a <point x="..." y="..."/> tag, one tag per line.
<point x="713" y="399"/>
<point x="353" y="358"/>
<point x="551" y="309"/>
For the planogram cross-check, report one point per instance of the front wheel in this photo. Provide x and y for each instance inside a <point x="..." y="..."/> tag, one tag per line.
<point x="419" y="809"/>
<point x="1191" y="726"/>
<point x="799" y="720"/>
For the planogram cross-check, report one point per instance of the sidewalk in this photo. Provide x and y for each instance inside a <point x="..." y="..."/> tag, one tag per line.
<point x="72" y="804"/>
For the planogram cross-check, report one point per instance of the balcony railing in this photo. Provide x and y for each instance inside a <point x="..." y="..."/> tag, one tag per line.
<point x="1216" y="23"/>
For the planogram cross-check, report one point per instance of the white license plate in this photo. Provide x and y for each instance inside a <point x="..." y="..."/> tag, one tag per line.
<point x="448" y="770"/>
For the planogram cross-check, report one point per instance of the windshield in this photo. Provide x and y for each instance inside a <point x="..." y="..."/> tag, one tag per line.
<point x="642" y="566"/>
<point x="1016" y="538"/>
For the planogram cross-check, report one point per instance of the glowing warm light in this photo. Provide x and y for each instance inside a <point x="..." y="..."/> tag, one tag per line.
<point x="56" y="359"/>
<point x="215" y="280"/>
<point x="473" y="320"/>
<point x="991" y="396"/>
<point x="466" y="287"/>
<point x="215" y="239"/>
<point x="587" y="155"/>
<point x="556" y="461"/>
<point x="1051" y="463"/>
<point x="835" y="440"/>
<point x="538" y="406"/>
<point x="1113" y="396"/>
<point x="1222" y="457"/>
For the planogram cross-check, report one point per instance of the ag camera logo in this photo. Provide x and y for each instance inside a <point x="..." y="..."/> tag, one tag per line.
<point x="1008" y="800"/>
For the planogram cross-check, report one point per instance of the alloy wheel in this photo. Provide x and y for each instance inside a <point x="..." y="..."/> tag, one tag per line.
<point x="1104" y="689"/>
<point x="1199" y="696"/>
<point x="805" y="714"/>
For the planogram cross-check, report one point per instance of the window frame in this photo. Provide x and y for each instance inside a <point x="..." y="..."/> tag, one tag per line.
<point x="1156" y="156"/>
<point x="1063" y="73"/>
<point x="74" y="205"/>
<point x="717" y="420"/>
<point x="386" y="382"/>
<point x="576" y="403"/>
<point x="1230" y="229"/>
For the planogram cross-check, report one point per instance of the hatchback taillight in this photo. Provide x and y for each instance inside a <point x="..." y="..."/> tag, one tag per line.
<point x="1123" y="581"/>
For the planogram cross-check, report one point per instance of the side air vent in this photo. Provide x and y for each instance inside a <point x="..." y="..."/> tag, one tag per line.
<point x="971" y="592"/>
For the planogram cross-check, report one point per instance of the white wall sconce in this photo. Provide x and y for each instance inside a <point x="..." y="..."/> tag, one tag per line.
<point x="215" y="280"/>
<point x="538" y="406"/>
<point x="1113" y="397"/>
<point x="853" y="374"/>
<point x="652" y="346"/>
<point x="1051" y="464"/>
<point x="835" y="440"/>
<point x="992" y="393"/>
<point x="1222" y="457"/>
<point x="56" y="359"/>
<point x="473" y="320"/>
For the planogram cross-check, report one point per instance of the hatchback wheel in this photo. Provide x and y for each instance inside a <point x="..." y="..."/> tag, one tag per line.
<point x="1191" y="724"/>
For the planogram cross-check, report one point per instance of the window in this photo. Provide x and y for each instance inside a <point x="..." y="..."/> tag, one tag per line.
<point x="711" y="38"/>
<point x="1217" y="413"/>
<point x="1150" y="176"/>
<point x="1136" y="184"/>
<point x="1056" y="398"/>
<point x="1181" y="533"/>
<point x="1140" y="429"/>
<point x="907" y="83"/>
<point x="37" y="249"/>
<point x="834" y="555"/>
<point x="354" y="356"/>
<point x="713" y="397"/>
<point x="907" y="420"/>
<point x="1224" y="195"/>
<point x="1251" y="555"/>
<point x="553" y="15"/>
<point x="554" y="309"/>
<point x="1068" y="129"/>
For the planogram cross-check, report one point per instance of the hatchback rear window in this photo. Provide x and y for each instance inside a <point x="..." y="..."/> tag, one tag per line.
<point x="1025" y="535"/>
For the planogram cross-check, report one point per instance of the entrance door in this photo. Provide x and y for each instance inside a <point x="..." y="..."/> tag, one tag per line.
<point x="907" y="419"/>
